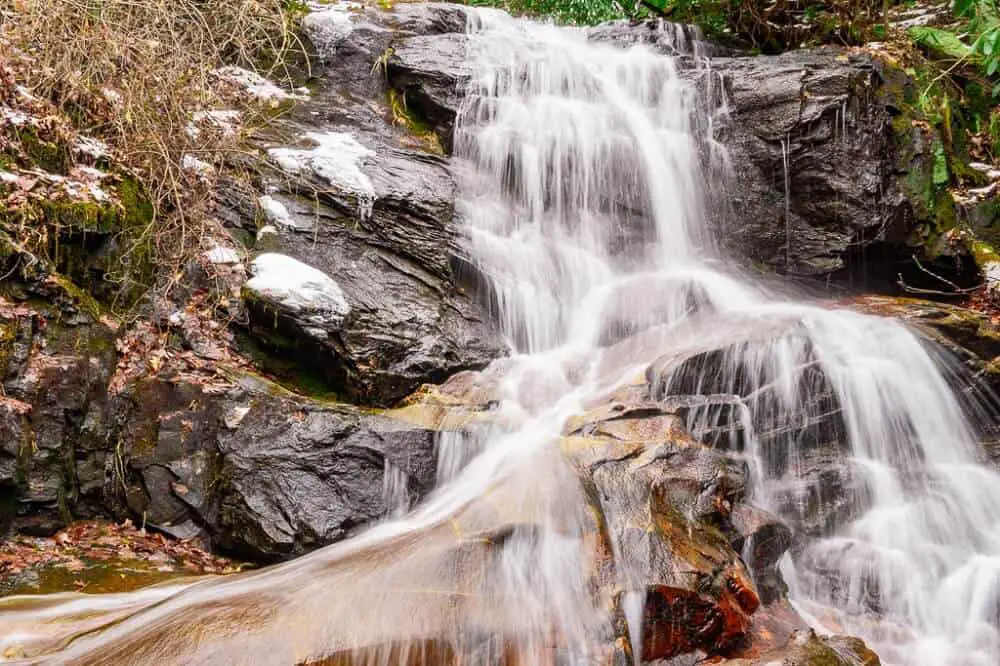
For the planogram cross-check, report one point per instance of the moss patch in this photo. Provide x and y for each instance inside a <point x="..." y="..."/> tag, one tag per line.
<point x="41" y="153"/>
<point x="402" y="116"/>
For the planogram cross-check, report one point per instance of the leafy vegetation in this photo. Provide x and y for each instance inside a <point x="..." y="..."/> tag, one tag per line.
<point x="973" y="42"/>
<point x="765" y="25"/>
<point x="770" y="26"/>
<point x="575" y="12"/>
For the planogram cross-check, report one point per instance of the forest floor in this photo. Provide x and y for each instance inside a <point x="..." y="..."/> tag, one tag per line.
<point x="101" y="557"/>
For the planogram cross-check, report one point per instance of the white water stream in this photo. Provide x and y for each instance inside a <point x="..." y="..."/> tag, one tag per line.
<point x="582" y="168"/>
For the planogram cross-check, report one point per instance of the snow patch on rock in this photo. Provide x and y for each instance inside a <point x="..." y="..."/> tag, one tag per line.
<point x="254" y="84"/>
<point x="337" y="159"/>
<point x="192" y="163"/>
<point x="224" y="120"/>
<point x="276" y="213"/>
<point x="222" y="255"/>
<point x="91" y="147"/>
<point x="25" y="93"/>
<point x="328" y="25"/>
<point x="309" y="295"/>
<point x="267" y="231"/>
<point x="14" y="117"/>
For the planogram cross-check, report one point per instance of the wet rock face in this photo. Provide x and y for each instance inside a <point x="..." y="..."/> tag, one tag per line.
<point x="294" y="482"/>
<point x="666" y="505"/>
<point x="259" y="473"/>
<point x="54" y="417"/>
<point x="813" y="160"/>
<point x="359" y="197"/>
<point x="430" y="71"/>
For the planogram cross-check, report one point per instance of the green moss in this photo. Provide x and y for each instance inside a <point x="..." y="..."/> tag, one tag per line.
<point x="8" y="335"/>
<point x="78" y="296"/>
<point x="46" y="155"/>
<point x="137" y="209"/>
<point x="85" y="216"/>
<point x="940" y="175"/>
<point x="282" y="360"/>
<point x="402" y="115"/>
<point x="984" y="253"/>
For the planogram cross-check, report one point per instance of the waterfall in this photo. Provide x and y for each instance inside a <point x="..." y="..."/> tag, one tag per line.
<point x="585" y="213"/>
<point x="582" y="201"/>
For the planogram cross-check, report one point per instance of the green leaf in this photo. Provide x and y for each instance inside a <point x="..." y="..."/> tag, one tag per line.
<point x="659" y="6"/>
<point x="964" y="7"/>
<point x="940" y="42"/>
<point x="940" y="175"/>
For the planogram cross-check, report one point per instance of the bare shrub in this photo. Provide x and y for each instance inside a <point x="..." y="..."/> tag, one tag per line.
<point x="134" y="73"/>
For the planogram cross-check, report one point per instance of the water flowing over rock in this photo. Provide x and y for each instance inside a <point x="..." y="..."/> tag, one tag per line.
<point x="819" y="169"/>
<point x="673" y="462"/>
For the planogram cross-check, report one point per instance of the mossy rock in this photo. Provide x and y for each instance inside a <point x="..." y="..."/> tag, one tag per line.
<point x="805" y="648"/>
<point x="43" y="154"/>
<point x="85" y="216"/>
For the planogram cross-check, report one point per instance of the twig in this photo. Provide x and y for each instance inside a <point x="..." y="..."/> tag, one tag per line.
<point x="956" y="290"/>
<point x="943" y="279"/>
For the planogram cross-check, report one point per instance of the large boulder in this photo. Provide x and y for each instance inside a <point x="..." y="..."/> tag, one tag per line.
<point x="259" y="471"/>
<point x="814" y="178"/>
<point x="357" y="194"/>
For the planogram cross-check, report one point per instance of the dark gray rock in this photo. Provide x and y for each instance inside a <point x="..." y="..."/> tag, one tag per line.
<point x="295" y="480"/>
<point x="411" y="322"/>
<point x="390" y="242"/>
<point x="811" y="122"/>
<point x="55" y="364"/>
<point x="258" y="471"/>
<point x="430" y="72"/>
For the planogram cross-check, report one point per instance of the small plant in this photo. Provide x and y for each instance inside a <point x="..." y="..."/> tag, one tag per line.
<point x="974" y="42"/>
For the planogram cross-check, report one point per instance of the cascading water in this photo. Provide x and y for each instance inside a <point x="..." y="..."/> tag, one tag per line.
<point x="581" y="192"/>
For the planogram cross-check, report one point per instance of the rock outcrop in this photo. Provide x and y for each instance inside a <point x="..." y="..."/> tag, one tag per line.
<point x="55" y="365"/>
<point x="826" y="164"/>
<point x="357" y="195"/>
<point x="812" y="151"/>
<point x="261" y="472"/>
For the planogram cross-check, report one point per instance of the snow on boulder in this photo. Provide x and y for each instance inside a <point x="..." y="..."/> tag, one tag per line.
<point x="310" y="297"/>
<point x="336" y="158"/>
<point x="328" y="25"/>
